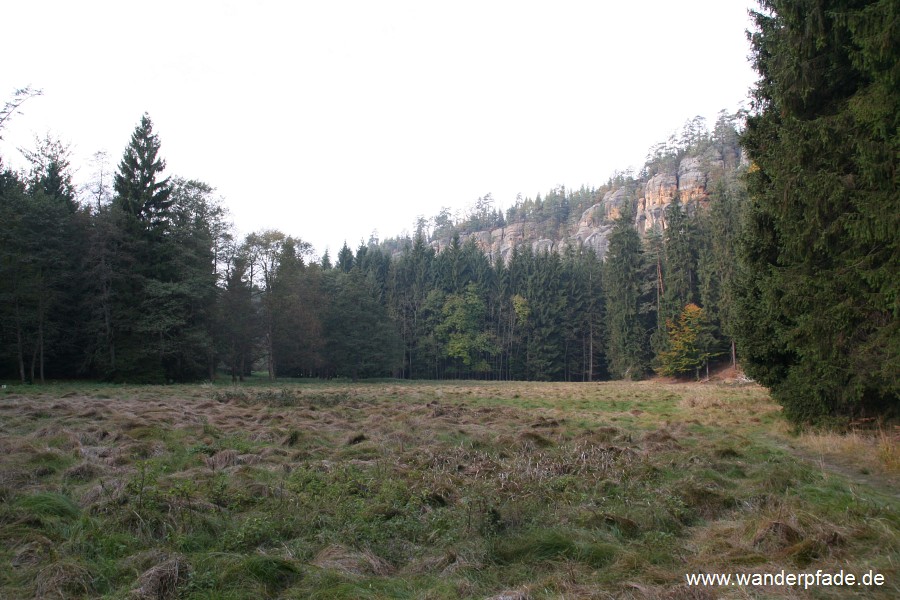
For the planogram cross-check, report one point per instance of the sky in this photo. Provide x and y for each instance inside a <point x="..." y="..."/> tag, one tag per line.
<point x="331" y="120"/>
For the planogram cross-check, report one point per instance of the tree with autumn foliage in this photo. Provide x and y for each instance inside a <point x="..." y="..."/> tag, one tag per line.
<point x="690" y="343"/>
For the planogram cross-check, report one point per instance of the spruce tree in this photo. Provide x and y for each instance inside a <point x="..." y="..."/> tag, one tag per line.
<point x="237" y="327"/>
<point x="361" y="339"/>
<point x="819" y="321"/>
<point x="627" y="344"/>
<point x="137" y="190"/>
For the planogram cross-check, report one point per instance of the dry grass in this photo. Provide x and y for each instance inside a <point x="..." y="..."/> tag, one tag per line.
<point x="351" y="562"/>
<point x="162" y="581"/>
<point x="876" y="450"/>
<point x="63" y="579"/>
<point x="471" y="489"/>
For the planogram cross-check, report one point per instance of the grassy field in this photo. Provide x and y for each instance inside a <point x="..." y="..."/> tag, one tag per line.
<point x="431" y="490"/>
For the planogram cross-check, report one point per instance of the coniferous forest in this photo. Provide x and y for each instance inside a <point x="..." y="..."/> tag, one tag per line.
<point x="788" y="265"/>
<point x="152" y="286"/>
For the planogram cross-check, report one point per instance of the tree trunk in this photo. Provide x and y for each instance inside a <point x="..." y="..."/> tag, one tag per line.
<point x="20" y="350"/>
<point x="591" y="354"/>
<point x="270" y="347"/>
<point x="34" y="355"/>
<point x="660" y="291"/>
<point x="107" y="317"/>
<point x="41" y="348"/>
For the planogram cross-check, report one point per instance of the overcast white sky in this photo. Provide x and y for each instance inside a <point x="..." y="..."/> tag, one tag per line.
<point x="331" y="119"/>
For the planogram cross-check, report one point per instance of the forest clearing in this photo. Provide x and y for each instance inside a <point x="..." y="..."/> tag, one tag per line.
<point x="401" y="420"/>
<point x="400" y="489"/>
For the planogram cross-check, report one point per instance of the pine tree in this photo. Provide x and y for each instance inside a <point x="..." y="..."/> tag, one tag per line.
<point x="45" y="246"/>
<point x="296" y="304"/>
<point x="680" y="271"/>
<point x="717" y="265"/>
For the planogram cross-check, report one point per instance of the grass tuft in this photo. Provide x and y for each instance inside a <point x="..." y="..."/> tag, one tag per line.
<point x="48" y="504"/>
<point x="273" y="572"/>
<point x="541" y="545"/>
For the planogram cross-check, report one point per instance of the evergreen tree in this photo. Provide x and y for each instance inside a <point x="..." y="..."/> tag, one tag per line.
<point x="326" y="261"/>
<point x="43" y="245"/>
<point x="296" y="304"/>
<point x="677" y="282"/>
<point x="17" y="289"/>
<point x="627" y="349"/>
<point x="818" y="299"/>
<point x="361" y="339"/>
<point x="137" y="190"/>
<point x="183" y="293"/>
<point x="237" y="325"/>
<point x="411" y="279"/>
<point x="680" y="270"/>
<point x="153" y="255"/>
<point x="345" y="259"/>
<point x="51" y="172"/>
<point x="717" y="266"/>
<point x="545" y="345"/>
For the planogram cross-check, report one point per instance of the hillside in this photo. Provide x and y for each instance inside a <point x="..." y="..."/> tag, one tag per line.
<point x="688" y="165"/>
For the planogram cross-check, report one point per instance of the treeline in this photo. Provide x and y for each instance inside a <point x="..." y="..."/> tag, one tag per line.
<point x="145" y="282"/>
<point x="121" y="289"/>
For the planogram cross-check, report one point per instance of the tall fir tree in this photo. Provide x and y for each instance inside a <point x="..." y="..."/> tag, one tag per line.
<point x="138" y="192"/>
<point x="818" y="321"/>
<point x="628" y="341"/>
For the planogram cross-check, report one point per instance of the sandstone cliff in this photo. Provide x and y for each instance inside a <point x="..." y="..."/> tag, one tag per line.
<point x="690" y="177"/>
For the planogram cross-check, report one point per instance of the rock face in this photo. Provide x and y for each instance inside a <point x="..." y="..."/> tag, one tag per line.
<point x="689" y="180"/>
<point x="659" y="191"/>
<point x="692" y="179"/>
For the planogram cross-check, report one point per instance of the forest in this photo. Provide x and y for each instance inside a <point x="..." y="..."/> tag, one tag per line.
<point x="788" y="265"/>
<point x="147" y="283"/>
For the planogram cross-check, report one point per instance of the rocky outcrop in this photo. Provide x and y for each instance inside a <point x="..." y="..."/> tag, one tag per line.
<point x="543" y="245"/>
<point x="692" y="179"/>
<point x="660" y="190"/>
<point x="689" y="181"/>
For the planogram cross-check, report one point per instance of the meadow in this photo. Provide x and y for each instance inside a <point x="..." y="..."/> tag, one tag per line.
<point x="432" y="490"/>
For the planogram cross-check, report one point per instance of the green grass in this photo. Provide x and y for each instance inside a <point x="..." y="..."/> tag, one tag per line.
<point x="417" y="490"/>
